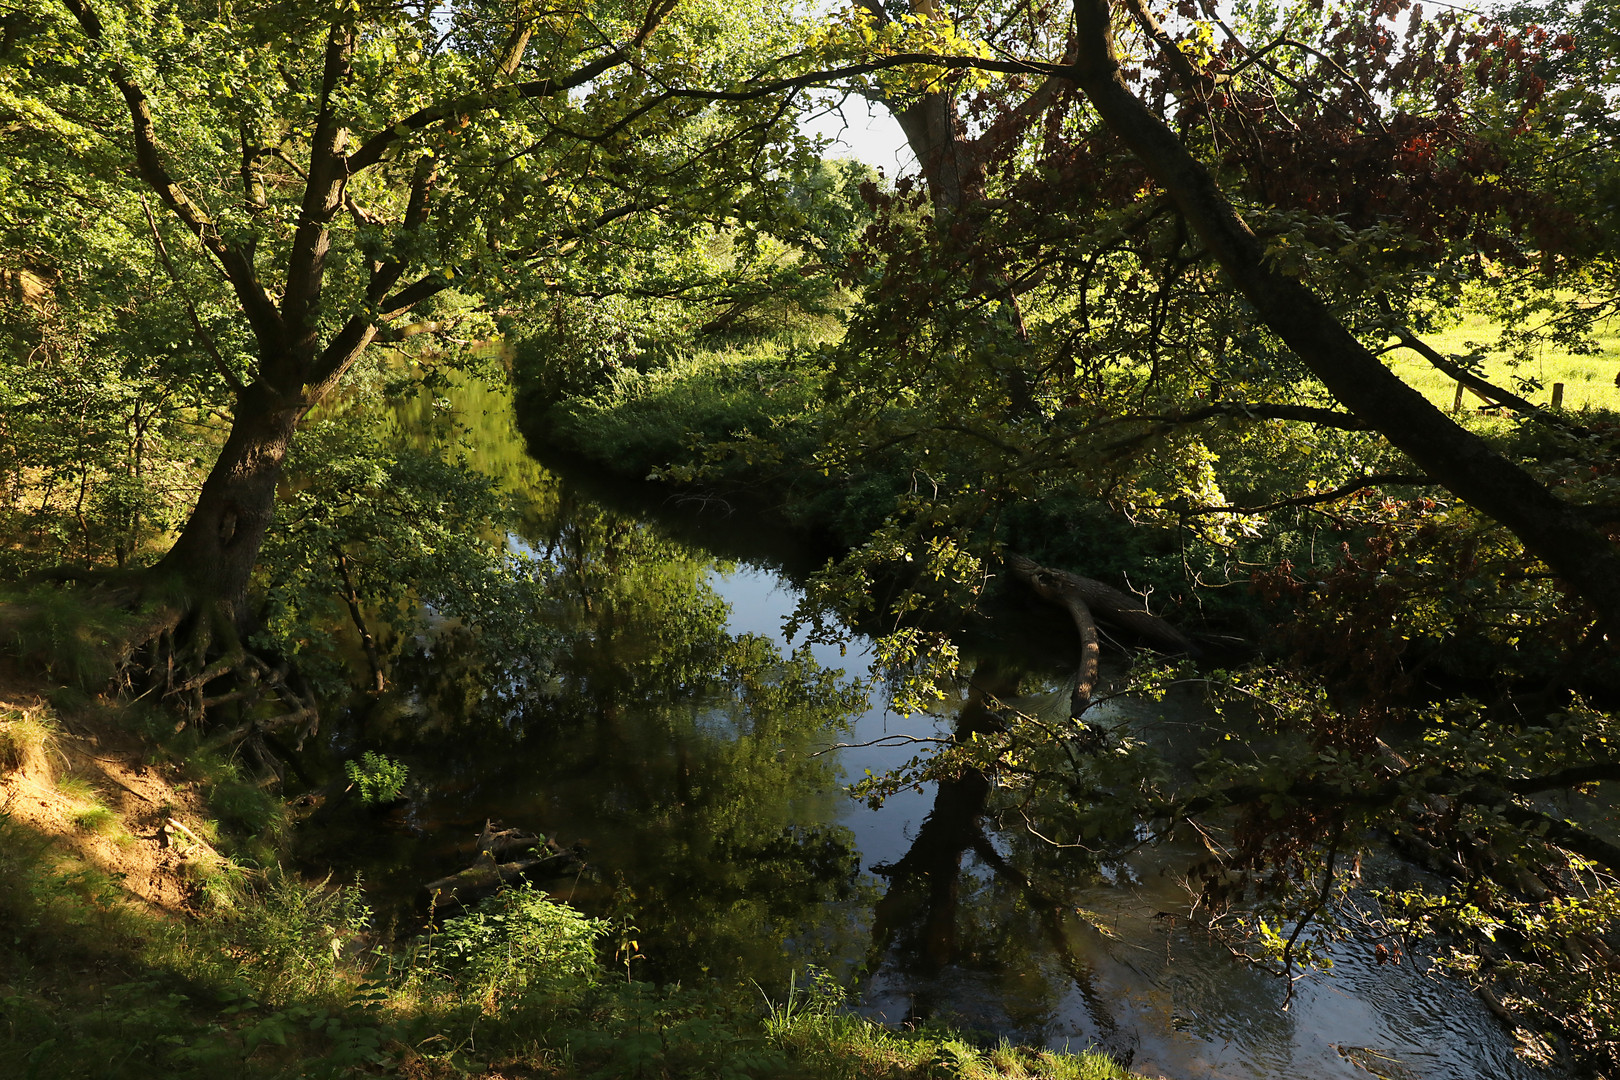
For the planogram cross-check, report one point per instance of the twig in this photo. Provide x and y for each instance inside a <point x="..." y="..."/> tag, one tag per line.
<point x="194" y="838"/>
<point x="887" y="740"/>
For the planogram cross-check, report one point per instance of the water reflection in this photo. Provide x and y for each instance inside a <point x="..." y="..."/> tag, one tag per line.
<point x="944" y="935"/>
<point x="681" y="754"/>
<point x="666" y="726"/>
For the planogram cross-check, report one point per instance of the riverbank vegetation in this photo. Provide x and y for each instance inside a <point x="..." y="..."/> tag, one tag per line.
<point x="1148" y="320"/>
<point x="1217" y="364"/>
<point x="170" y="942"/>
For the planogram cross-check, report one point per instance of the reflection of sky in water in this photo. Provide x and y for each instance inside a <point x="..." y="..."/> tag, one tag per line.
<point x="759" y="604"/>
<point x="1178" y="1003"/>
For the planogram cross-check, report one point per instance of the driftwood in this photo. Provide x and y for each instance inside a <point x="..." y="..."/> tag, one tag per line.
<point x="488" y="872"/>
<point x="502" y="842"/>
<point x="1084" y="597"/>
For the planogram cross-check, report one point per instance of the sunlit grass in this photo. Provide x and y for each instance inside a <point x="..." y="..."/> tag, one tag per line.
<point x="814" y="1028"/>
<point x="77" y="788"/>
<point x="96" y="818"/>
<point x="1589" y="381"/>
<point x="24" y="734"/>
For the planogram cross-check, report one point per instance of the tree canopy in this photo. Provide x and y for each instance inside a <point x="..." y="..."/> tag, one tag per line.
<point x="298" y="182"/>
<point x="1141" y="311"/>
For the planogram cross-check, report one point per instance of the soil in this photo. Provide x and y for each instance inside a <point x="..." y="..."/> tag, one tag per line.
<point x="153" y="844"/>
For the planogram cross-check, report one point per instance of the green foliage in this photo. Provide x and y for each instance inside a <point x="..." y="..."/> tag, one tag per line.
<point x="289" y="939"/>
<point x="720" y="730"/>
<point x="378" y="529"/>
<point x="697" y="399"/>
<point x="1058" y="343"/>
<point x="1531" y="956"/>
<point x="76" y="787"/>
<point x="246" y="807"/>
<point x="1053" y="346"/>
<point x="103" y="389"/>
<point x="516" y="939"/>
<point x="275" y="987"/>
<point x="379" y="778"/>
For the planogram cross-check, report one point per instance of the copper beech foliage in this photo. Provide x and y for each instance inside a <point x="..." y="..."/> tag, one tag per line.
<point x="1160" y="263"/>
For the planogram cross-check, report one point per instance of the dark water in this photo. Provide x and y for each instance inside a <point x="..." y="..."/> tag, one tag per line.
<point x="668" y="729"/>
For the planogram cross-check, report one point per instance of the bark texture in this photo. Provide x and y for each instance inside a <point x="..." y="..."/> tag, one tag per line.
<point x="219" y="545"/>
<point x="1549" y="528"/>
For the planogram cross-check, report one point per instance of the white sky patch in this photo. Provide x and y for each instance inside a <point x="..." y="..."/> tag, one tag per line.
<point x="863" y="130"/>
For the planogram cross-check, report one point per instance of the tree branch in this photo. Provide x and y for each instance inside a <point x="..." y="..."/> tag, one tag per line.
<point x="323" y="196"/>
<point x="235" y="265"/>
<point x="1238" y="410"/>
<point x="1348" y="488"/>
<point x="372" y="150"/>
<point x="1195" y="81"/>
<point x="208" y="342"/>
<point x="1458" y="459"/>
<point x="1244" y="410"/>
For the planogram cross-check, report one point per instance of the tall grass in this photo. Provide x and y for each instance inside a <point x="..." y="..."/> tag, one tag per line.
<point x="814" y="1026"/>
<point x="24" y="736"/>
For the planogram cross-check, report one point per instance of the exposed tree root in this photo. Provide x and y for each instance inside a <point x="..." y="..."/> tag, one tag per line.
<point x="144" y="634"/>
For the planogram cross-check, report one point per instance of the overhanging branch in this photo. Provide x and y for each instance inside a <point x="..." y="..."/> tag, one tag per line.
<point x="1316" y="498"/>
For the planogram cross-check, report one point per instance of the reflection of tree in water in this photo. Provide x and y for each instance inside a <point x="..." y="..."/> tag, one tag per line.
<point x="683" y="753"/>
<point x="936" y="918"/>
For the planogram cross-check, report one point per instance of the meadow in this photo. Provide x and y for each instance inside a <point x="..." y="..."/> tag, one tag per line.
<point x="1589" y="380"/>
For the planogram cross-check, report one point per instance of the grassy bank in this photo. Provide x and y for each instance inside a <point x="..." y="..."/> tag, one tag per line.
<point x="742" y="428"/>
<point x="150" y="934"/>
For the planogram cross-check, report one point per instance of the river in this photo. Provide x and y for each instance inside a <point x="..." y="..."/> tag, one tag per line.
<point x="701" y="763"/>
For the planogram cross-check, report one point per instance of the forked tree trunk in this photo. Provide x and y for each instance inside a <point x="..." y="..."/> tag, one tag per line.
<point x="219" y="545"/>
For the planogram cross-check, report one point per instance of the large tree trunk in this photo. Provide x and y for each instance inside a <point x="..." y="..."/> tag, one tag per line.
<point x="1551" y="529"/>
<point x="950" y="164"/>
<point x="219" y="545"/>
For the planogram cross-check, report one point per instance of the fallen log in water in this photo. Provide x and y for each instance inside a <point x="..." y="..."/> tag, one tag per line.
<point x="1082" y="597"/>
<point x="503" y="842"/>
<point x="488" y="873"/>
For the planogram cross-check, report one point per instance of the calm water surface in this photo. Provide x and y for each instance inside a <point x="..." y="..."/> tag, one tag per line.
<point x="671" y="731"/>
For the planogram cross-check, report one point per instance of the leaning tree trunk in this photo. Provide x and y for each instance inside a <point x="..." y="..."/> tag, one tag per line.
<point x="217" y="549"/>
<point x="1471" y="469"/>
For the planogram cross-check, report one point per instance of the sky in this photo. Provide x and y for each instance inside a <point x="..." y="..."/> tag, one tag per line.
<point x="862" y="130"/>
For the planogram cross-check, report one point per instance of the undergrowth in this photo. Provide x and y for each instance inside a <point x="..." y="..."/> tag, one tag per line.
<point x="70" y="634"/>
<point x="280" y="977"/>
<point x="656" y="416"/>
